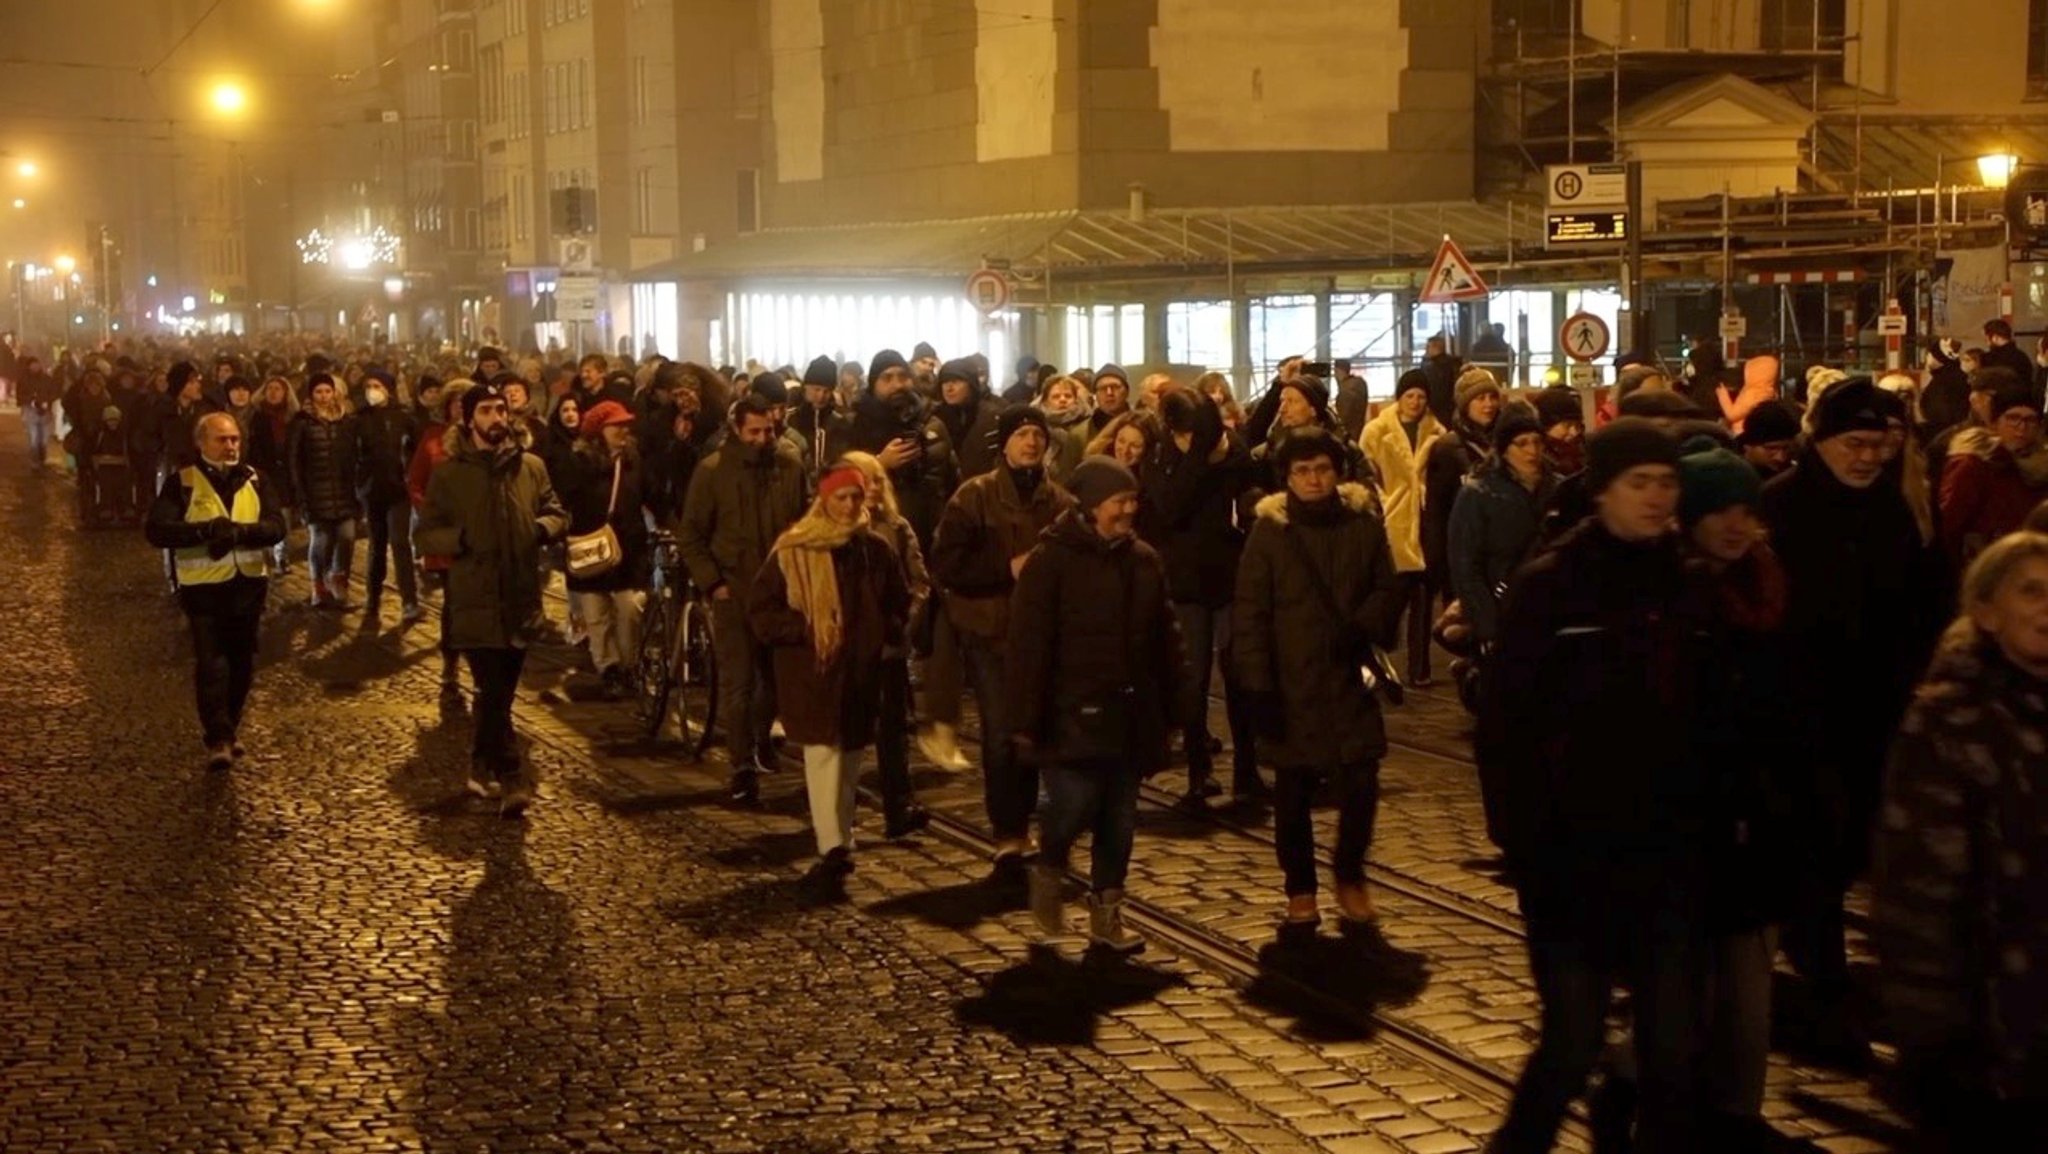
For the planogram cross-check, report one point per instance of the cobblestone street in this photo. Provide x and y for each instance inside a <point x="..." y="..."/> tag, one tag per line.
<point x="332" y="947"/>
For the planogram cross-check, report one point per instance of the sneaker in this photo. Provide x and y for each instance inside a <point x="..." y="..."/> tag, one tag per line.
<point x="220" y="755"/>
<point x="1009" y="869"/>
<point x="1106" y="928"/>
<point x="909" y="820"/>
<point x="838" y="861"/>
<point x="1048" y="908"/>
<point x="516" y="795"/>
<point x="745" y="786"/>
<point x="411" y="614"/>
<point x="451" y="696"/>
<point x="481" y="783"/>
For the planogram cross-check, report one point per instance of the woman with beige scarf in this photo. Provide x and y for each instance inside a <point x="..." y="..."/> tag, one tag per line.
<point x="830" y="599"/>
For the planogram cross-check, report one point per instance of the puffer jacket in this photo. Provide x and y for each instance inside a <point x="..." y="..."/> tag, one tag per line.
<point x="1398" y="469"/>
<point x="1284" y="641"/>
<point x="1961" y="914"/>
<point x="322" y="455"/>
<point x="1444" y="469"/>
<point x="1094" y="660"/>
<point x="985" y="526"/>
<point x="1495" y="524"/>
<point x="736" y="506"/>
<point x="490" y="511"/>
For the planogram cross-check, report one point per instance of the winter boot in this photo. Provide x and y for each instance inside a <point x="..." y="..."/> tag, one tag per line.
<point x="1106" y="928"/>
<point x="1048" y="908"/>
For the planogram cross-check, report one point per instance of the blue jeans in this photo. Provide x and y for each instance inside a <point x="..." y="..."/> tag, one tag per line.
<point x="41" y="423"/>
<point x="1091" y="795"/>
<point x="1009" y="787"/>
<point x="330" y="550"/>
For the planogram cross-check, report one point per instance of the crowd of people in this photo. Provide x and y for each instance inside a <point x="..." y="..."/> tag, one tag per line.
<point x="1736" y="648"/>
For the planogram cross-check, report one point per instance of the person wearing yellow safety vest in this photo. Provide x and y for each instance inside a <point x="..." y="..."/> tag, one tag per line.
<point x="219" y="519"/>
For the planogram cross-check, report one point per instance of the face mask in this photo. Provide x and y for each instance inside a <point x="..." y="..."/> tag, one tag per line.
<point x="376" y="397"/>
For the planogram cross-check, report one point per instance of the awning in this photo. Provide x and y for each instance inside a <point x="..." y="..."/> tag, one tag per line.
<point x="1109" y="245"/>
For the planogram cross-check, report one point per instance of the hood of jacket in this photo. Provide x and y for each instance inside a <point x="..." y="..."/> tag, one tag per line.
<point x="1273" y="506"/>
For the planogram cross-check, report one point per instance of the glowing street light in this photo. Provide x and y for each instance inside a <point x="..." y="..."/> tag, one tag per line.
<point x="26" y="168"/>
<point x="229" y="98"/>
<point x="20" y="203"/>
<point x="66" y="265"/>
<point x="1996" y="169"/>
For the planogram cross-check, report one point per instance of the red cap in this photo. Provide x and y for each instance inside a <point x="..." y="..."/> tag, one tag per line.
<point x="605" y="413"/>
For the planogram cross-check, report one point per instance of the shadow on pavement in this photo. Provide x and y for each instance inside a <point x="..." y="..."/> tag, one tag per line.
<point x="769" y="850"/>
<point x="751" y="909"/>
<point x="956" y="907"/>
<point x="1334" y="987"/>
<point x="1048" y="1000"/>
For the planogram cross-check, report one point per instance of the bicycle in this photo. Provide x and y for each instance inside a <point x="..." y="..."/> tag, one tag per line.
<point x="676" y="665"/>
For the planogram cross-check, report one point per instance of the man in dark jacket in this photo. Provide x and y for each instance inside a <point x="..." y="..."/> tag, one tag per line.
<point x="38" y="393"/>
<point x="969" y="414"/>
<point x="1191" y="488"/>
<point x="739" y="501"/>
<point x="1094" y="666"/>
<point x="321" y="447"/>
<point x="989" y="528"/>
<point x="219" y="519"/>
<point x="1586" y="730"/>
<point x="895" y="422"/>
<point x="1443" y="370"/>
<point x="1316" y="590"/>
<point x="1860" y="622"/>
<point x="490" y="507"/>
<point x="818" y="420"/>
<point x="2001" y="353"/>
<point x="1112" y="397"/>
<point x="385" y="435"/>
<point x="1352" y="401"/>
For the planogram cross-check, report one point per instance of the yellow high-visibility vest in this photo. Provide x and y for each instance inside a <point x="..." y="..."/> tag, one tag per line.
<point x="195" y="567"/>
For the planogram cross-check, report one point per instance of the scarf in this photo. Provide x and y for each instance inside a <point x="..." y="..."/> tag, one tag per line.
<point x="804" y="554"/>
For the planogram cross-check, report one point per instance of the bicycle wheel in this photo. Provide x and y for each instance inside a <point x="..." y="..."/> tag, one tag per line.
<point x="697" y="678"/>
<point x="657" y="675"/>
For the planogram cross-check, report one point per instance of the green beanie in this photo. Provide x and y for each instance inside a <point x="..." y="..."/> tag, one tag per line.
<point x="1711" y="479"/>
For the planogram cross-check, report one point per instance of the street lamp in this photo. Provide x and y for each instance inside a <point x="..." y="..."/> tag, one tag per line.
<point x="229" y="98"/>
<point x="26" y="168"/>
<point x="1996" y="169"/>
<point x="66" y="265"/>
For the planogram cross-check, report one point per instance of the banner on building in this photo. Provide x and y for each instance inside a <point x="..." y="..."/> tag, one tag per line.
<point x="1969" y="295"/>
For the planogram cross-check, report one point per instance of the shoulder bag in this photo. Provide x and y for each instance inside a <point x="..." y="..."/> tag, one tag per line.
<point x="597" y="553"/>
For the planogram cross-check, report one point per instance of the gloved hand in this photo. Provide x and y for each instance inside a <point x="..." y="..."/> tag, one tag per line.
<point x="220" y="537"/>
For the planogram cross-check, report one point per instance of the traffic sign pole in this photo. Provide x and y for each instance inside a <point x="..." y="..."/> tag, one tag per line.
<point x="1893" y="326"/>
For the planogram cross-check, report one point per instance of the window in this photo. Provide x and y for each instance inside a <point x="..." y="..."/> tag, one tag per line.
<point x="521" y="222"/>
<point x="1198" y="333"/>
<point x="643" y="201"/>
<point x="2037" y="48"/>
<point x="583" y="117"/>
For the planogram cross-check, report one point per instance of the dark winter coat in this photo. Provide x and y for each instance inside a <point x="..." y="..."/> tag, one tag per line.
<point x="840" y="704"/>
<point x="1189" y="506"/>
<point x="1451" y="458"/>
<point x="985" y="526"/>
<point x="1859" y="623"/>
<point x="738" y="503"/>
<point x="1285" y="641"/>
<point x="824" y="432"/>
<point x="973" y="429"/>
<point x="923" y="485"/>
<point x="491" y="512"/>
<point x="1961" y="912"/>
<point x="1263" y="478"/>
<point x="1983" y="495"/>
<point x="1945" y="401"/>
<point x="1747" y="725"/>
<point x="1587" y="724"/>
<point x="385" y="438"/>
<point x="584" y="485"/>
<point x="176" y="426"/>
<point x="1353" y="405"/>
<point x="322" y="455"/>
<point x="2013" y="359"/>
<point x="1094" y="658"/>
<point x="268" y="448"/>
<point x="1442" y="371"/>
<point x="1495" y="524"/>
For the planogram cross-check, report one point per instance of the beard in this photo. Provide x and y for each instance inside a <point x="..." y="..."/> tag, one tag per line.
<point x="496" y="435"/>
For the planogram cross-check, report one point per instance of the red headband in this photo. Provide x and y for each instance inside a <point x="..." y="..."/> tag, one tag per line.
<point x="839" y="479"/>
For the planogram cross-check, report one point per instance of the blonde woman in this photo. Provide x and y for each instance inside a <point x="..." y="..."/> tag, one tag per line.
<point x="829" y="601"/>
<point x="902" y="816"/>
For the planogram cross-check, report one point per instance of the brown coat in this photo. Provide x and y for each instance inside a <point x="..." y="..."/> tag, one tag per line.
<point x="839" y="704"/>
<point x="985" y="525"/>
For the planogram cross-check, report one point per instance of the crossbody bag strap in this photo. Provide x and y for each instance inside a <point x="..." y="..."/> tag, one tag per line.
<point x="612" y="506"/>
<point x="1315" y="575"/>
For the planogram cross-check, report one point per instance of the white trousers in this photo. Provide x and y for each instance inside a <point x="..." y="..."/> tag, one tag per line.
<point x="613" y="624"/>
<point x="831" y="774"/>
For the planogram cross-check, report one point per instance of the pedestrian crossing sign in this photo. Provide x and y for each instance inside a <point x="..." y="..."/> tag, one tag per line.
<point x="1452" y="277"/>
